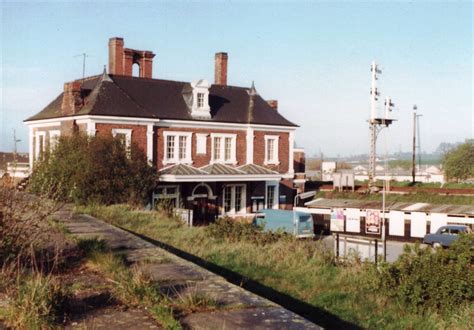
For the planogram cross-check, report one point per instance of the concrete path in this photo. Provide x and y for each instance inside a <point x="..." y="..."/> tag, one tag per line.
<point x="238" y="308"/>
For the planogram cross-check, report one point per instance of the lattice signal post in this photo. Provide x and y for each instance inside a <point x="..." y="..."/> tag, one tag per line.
<point x="376" y="123"/>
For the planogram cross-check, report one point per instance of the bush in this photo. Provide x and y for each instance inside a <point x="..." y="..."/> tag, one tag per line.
<point x="425" y="280"/>
<point x="97" y="169"/>
<point x="235" y="231"/>
<point x="23" y="225"/>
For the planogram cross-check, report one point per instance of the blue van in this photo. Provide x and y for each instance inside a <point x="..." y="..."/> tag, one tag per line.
<point x="296" y="223"/>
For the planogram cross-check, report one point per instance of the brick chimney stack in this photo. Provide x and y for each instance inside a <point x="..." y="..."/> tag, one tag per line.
<point x="116" y="56"/>
<point x="72" y="98"/>
<point x="220" y="70"/>
<point x="121" y="60"/>
<point x="273" y="104"/>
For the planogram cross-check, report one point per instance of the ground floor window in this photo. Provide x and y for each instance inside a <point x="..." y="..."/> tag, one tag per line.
<point x="166" y="197"/>
<point x="234" y="199"/>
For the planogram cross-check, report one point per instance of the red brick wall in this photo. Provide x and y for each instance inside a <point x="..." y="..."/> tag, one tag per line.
<point x="138" y="132"/>
<point x="200" y="160"/>
<point x="283" y="150"/>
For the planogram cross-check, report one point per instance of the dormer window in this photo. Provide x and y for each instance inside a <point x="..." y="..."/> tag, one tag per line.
<point x="200" y="100"/>
<point x="196" y="96"/>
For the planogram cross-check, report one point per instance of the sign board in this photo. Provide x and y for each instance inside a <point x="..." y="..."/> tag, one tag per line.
<point x="396" y="223"/>
<point x="337" y="220"/>
<point x="418" y="224"/>
<point x="353" y="220"/>
<point x="372" y="222"/>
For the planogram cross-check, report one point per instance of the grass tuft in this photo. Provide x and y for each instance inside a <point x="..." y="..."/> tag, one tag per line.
<point x="36" y="303"/>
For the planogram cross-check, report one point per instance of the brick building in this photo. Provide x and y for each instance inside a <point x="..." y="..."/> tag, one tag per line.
<point x="219" y="149"/>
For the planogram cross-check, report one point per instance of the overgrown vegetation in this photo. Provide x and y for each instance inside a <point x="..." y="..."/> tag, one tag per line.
<point x="28" y="256"/>
<point x="98" y="169"/>
<point x="37" y="301"/>
<point x="421" y="280"/>
<point x="459" y="163"/>
<point x="234" y="231"/>
<point x="357" y="293"/>
<point x="135" y="287"/>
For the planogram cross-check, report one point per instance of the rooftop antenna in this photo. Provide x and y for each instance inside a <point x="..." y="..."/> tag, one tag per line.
<point x="376" y="124"/>
<point x="84" y="55"/>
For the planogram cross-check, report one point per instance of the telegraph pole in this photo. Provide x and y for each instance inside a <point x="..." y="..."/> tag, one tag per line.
<point x="415" y="122"/>
<point x="15" y="141"/>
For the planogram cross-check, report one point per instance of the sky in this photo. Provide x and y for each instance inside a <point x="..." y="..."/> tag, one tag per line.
<point x="313" y="57"/>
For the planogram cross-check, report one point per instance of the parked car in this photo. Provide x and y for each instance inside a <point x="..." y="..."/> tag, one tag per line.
<point x="295" y="223"/>
<point x="445" y="235"/>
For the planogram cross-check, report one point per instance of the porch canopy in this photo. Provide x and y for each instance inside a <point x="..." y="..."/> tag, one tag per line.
<point x="217" y="172"/>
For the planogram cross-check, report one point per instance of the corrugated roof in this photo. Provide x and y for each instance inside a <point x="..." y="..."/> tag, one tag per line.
<point x="255" y="169"/>
<point x="221" y="169"/>
<point x="182" y="169"/>
<point x="156" y="98"/>
<point x="396" y="206"/>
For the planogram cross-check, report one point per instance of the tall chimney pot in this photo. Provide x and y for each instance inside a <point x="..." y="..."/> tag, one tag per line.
<point x="116" y="56"/>
<point x="121" y="60"/>
<point x="220" y="70"/>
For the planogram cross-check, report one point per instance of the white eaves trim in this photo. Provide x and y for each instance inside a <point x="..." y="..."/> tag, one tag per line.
<point x="219" y="178"/>
<point x="158" y="122"/>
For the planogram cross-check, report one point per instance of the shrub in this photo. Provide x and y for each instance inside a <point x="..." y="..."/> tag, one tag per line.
<point x="23" y="225"/>
<point x="235" y="231"/>
<point x="424" y="280"/>
<point x="97" y="169"/>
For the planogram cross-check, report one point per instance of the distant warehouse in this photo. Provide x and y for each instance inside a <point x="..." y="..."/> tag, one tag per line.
<point x="404" y="221"/>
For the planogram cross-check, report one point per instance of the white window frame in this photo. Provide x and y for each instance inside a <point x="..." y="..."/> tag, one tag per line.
<point x="125" y="131"/>
<point x="200" y="100"/>
<point x="276" y="195"/>
<point x="201" y="143"/>
<point x="233" y="146"/>
<point x="274" y="159"/>
<point x="53" y="139"/>
<point x="175" y="160"/>
<point x="243" y="200"/>
<point x="39" y="134"/>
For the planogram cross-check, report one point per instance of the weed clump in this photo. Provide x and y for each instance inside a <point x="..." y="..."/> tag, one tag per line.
<point x="36" y="302"/>
<point x="235" y="231"/>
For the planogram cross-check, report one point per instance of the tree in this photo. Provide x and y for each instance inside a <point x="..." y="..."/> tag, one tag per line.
<point x="98" y="169"/>
<point x="459" y="163"/>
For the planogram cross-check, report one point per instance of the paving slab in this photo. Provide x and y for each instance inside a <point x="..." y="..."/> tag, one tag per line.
<point x="259" y="318"/>
<point x="237" y="308"/>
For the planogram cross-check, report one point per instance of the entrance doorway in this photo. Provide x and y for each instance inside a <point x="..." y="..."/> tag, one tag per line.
<point x="204" y="209"/>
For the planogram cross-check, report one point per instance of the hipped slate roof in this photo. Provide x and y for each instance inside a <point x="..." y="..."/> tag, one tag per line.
<point x="123" y="96"/>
